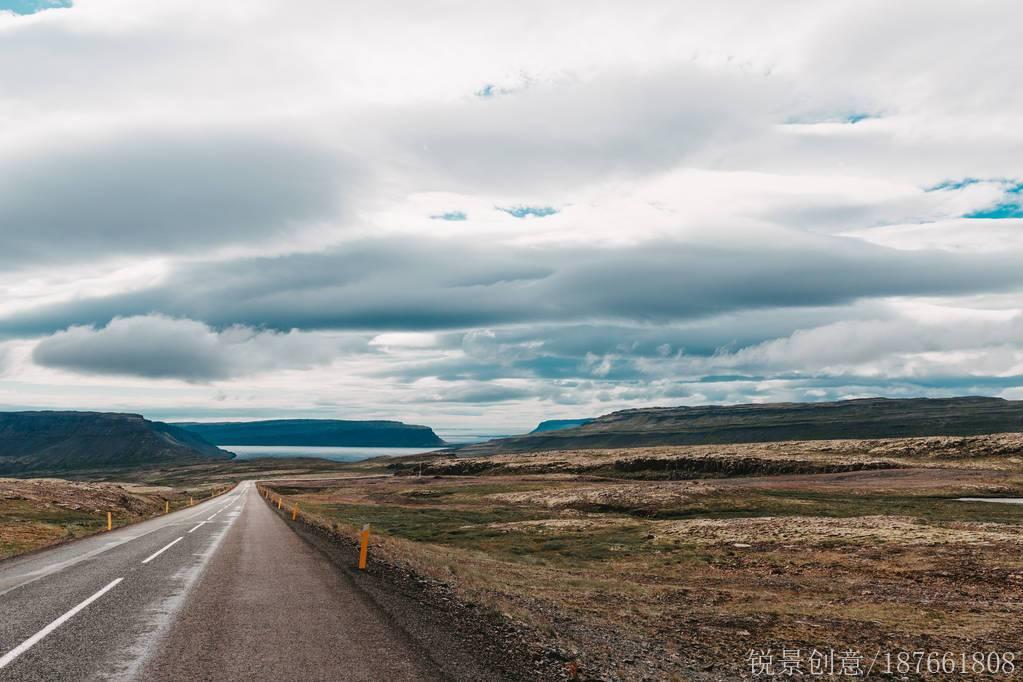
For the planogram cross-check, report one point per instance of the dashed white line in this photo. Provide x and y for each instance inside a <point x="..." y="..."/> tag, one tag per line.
<point x="50" y="569"/>
<point x="201" y="523"/>
<point x="34" y="639"/>
<point x="164" y="549"/>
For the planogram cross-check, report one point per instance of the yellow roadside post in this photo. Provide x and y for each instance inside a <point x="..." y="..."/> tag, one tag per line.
<point x="294" y="512"/>
<point x="278" y="503"/>
<point x="110" y="521"/>
<point x="364" y="535"/>
<point x="166" y="506"/>
<point x="190" y="501"/>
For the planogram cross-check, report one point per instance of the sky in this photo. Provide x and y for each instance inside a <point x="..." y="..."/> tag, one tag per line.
<point x="469" y="214"/>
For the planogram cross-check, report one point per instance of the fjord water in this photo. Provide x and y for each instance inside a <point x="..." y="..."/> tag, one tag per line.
<point x="1001" y="500"/>
<point x="454" y="436"/>
<point x="338" y="454"/>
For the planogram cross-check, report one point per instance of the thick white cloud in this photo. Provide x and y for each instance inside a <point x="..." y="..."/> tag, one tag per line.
<point x="736" y="201"/>
<point x="162" y="192"/>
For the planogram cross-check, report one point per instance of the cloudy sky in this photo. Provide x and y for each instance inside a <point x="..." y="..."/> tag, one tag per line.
<point x="487" y="214"/>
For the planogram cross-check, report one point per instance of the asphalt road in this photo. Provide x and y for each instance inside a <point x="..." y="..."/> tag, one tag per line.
<point x="223" y="590"/>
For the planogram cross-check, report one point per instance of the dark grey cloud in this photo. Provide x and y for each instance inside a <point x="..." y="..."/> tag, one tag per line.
<point x="482" y="393"/>
<point x="430" y="285"/>
<point x="703" y="336"/>
<point x="572" y="351"/>
<point x="164" y="348"/>
<point x="162" y="193"/>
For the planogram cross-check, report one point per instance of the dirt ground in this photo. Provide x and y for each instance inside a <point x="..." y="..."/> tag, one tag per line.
<point x="694" y="579"/>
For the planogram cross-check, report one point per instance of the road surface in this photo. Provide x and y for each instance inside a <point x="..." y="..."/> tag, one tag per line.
<point x="223" y="590"/>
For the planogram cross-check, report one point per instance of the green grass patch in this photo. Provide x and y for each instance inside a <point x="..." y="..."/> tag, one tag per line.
<point x="808" y="503"/>
<point x="471" y="529"/>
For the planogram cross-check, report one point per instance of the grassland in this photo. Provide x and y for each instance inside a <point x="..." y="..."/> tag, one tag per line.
<point x="38" y="512"/>
<point x="659" y="579"/>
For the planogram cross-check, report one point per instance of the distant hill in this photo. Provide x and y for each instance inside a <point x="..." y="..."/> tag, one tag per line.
<point x="558" y="424"/>
<point x="317" y="433"/>
<point x="713" y="424"/>
<point x="32" y="442"/>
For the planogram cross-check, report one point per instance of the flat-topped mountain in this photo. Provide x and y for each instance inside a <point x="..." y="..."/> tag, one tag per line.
<point x="33" y="442"/>
<point x="718" y="424"/>
<point x="558" y="424"/>
<point x="317" y="433"/>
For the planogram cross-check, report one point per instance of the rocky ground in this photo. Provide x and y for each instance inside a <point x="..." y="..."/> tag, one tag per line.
<point x="1003" y="452"/>
<point x="621" y="578"/>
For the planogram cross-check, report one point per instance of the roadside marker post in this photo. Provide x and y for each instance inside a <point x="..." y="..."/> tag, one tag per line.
<point x="364" y="549"/>
<point x="294" y="512"/>
<point x="110" y="521"/>
<point x="278" y="503"/>
<point x="190" y="502"/>
<point x="166" y="506"/>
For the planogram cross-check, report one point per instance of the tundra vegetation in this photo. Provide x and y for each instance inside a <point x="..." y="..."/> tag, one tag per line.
<point x="643" y="563"/>
<point x="38" y="512"/>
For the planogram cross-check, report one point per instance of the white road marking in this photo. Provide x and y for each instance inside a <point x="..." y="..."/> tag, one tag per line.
<point x="34" y="575"/>
<point x="161" y="551"/>
<point x="34" y="639"/>
<point x="218" y="511"/>
<point x="197" y="527"/>
<point x="161" y="616"/>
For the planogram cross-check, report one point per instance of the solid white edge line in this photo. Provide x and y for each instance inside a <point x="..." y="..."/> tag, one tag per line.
<point x="197" y="527"/>
<point x="53" y="569"/>
<point x="161" y="551"/>
<point x="34" y="639"/>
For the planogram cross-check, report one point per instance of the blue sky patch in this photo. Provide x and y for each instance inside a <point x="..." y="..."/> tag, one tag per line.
<point x="1011" y="205"/>
<point x="528" y="211"/>
<point x="856" y="118"/>
<point x="850" y="119"/>
<point x="1008" y="209"/>
<point x="488" y="90"/>
<point x="952" y="185"/>
<point x="450" y="215"/>
<point x="31" y="6"/>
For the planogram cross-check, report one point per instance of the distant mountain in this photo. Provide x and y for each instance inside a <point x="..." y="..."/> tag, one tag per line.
<point x="32" y="442"/>
<point x="317" y="433"/>
<point x="865" y="418"/>
<point x="558" y="424"/>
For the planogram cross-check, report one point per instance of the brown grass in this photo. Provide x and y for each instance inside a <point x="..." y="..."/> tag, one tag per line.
<point x="36" y="513"/>
<point x="654" y="579"/>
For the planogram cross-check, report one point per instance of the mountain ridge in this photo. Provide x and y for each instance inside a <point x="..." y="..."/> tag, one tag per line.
<point x="862" y="418"/>
<point x="558" y="424"/>
<point x="44" y="441"/>
<point x="316" y="433"/>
